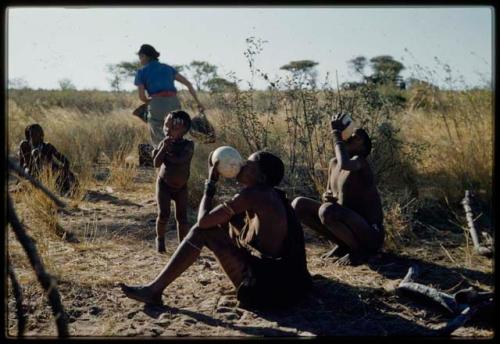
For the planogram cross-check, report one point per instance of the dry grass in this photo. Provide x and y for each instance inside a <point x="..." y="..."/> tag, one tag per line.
<point x="459" y="141"/>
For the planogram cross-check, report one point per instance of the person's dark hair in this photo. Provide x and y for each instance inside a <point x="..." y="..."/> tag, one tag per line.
<point x="366" y="139"/>
<point x="149" y="51"/>
<point x="184" y="116"/>
<point x="31" y="129"/>
<point x="271" y="166"/>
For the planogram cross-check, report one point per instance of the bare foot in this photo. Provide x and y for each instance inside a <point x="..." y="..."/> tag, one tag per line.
<point x="350" y="259"/>
<point x="336" y="252"/>
<point x="142" y="294"/>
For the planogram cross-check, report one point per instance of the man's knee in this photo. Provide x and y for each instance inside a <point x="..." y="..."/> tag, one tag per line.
<point x="298" y="206"/>
<point x="329" y="212"/>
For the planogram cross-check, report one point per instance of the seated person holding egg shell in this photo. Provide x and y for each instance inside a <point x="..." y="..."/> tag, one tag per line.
<point x="255" y="236"/>
<point x="350" y="214"/>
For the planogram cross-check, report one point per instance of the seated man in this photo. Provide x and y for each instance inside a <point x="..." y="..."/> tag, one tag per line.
<point x="35" y="155"/>
<point x="351" y="213"/>
<point x="255" y="237"/>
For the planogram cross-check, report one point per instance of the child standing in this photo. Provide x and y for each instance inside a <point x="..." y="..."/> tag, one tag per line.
<point x="173" y="156"/>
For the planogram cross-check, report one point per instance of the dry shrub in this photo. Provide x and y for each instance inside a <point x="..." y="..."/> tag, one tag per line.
<point x="399" y="209"/>
<point x="42" y="215"/>
<point x="425" y="96"/>
<point x="460" y="144"/>
<point x="122" y="172"/>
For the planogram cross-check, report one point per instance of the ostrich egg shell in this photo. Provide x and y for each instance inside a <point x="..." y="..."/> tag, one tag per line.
<point x="229" y="159"/>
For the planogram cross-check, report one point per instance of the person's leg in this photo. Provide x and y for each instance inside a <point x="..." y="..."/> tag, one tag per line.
<point x="163" y="203"/>
<point x="306" y="210"/>
<point x="216" y="239"/>
<point x="181" y="203"/>
<point x="351" y="228"/>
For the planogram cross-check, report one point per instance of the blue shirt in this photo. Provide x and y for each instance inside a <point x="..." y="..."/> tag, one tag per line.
<point x="156" y="77"/>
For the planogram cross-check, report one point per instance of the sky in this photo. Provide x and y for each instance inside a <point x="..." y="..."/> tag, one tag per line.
<point x="47" y="44"/>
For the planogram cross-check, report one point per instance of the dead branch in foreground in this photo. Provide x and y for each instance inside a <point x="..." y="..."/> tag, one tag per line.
<point x="48" y="283"/>
<point x="464" y="304"/>
<point x="46" y="280"/>
<point x="18" y="296"/>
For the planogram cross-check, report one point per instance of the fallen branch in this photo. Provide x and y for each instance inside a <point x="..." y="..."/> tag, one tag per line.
<point x="17" y="291"/>
<point x="466" y="302"/>
<point x="48" y="283"/>
<point x="407" y="286"/>
<point x="479" y="249"/>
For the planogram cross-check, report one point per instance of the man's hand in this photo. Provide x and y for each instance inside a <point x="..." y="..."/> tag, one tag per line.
<point x="213" y="173"/>
<point x="328" y="197"/>
<point x="201" y="108"/>
<point x="337" y="122"/>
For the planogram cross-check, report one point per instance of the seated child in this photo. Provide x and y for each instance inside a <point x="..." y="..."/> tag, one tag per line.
<point x="35" y="155"/>
<point x="173" y="156"/>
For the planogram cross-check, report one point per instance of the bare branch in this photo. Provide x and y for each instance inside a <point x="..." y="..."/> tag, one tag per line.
<point x="18" y="295"/>
<point x="15" y="166"/>
<point x="48" y="283"/>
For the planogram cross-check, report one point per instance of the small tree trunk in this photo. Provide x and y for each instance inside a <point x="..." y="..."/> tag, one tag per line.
<point x="479" y="249"/>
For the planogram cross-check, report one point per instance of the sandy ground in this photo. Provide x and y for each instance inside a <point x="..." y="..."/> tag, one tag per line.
<point x="116" y="233"/>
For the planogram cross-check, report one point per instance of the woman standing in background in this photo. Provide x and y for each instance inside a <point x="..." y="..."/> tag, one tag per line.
<point x="158" y="80"/>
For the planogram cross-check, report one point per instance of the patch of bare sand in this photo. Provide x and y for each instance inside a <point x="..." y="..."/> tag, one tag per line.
<point x="116" y="233"/>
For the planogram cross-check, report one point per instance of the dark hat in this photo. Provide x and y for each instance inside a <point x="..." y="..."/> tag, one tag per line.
<point x="148" y="50"/>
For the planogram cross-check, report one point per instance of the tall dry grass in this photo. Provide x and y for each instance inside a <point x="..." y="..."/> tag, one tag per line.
<point x="458" y="136"/>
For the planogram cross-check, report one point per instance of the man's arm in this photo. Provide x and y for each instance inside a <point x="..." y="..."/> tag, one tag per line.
<point x="328" y="194"/>
<point x="59" y="156"/>
<point x="222" y="213"/>
<point x="343" y="160"/>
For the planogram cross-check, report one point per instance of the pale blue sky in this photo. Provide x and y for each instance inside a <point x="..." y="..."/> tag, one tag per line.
<point x="47" y="44"/>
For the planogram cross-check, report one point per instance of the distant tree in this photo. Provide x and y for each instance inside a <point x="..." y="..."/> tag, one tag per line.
<point x="18" y="84"/>
<point x="302" y="70"/>
<point x="385" y="69"/>
<point x="201" y="72"/>
<point x="66" y="84"/>
<point x="358" y="64"/>
<point x="121" y="72"/>
<point x="219" y="84"/>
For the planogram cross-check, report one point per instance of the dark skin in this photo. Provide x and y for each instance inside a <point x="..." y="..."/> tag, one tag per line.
<point x="350" y="204"/>
<point x="32" y="157"/>
<point x="173" y="156"/>
<point x="257" y="202"/>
